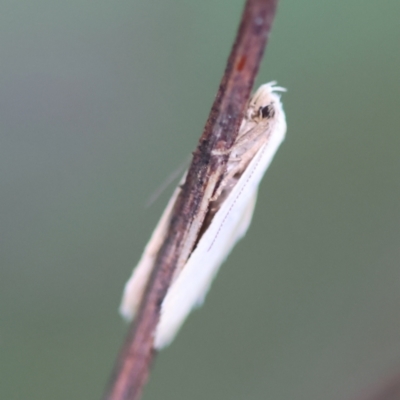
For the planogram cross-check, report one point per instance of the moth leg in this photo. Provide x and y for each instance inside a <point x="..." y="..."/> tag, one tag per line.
<point x="250" y="135"/>
<point x="234" y="159"/>
<point x="236" y="165"/>
<point x="217" y="152"/>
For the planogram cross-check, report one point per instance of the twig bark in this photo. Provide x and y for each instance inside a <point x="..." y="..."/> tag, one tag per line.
<point x="133" y="364"/>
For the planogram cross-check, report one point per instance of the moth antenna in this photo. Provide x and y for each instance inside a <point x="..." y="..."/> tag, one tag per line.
<point x="164" y="185"/>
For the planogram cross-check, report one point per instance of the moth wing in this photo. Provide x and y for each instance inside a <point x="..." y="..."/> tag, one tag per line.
<point x="229" y="224"/>
<point x="237" y="233"/>
<point x="192" y="284"/>
<point x="243" y="224"/>
<point x="135" y="286"/>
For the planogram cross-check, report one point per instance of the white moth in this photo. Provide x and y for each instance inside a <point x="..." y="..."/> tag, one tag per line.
<point x="261" y="132"/>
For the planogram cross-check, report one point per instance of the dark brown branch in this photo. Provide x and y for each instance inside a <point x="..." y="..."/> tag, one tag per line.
<point x="133" y="364"/>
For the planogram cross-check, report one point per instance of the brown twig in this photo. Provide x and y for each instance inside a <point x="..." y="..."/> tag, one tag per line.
<point x="133" y="364"/>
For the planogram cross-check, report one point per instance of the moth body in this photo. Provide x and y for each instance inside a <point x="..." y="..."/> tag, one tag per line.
<point x="228" y="218"/>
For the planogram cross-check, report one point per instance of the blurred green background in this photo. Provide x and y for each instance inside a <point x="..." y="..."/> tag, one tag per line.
<point x="100" y="101"/>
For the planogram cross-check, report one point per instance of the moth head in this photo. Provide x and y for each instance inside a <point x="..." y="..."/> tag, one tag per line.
<point x="265" y="102"/>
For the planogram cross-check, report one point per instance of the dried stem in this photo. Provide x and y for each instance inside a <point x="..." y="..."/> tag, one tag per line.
<point x="133" y="364"/>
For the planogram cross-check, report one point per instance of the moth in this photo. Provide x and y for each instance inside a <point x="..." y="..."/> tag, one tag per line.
<point x="229" y="215"/>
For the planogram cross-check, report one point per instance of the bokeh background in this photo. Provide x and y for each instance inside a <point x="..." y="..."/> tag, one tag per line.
<point x="100" y="101"/>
